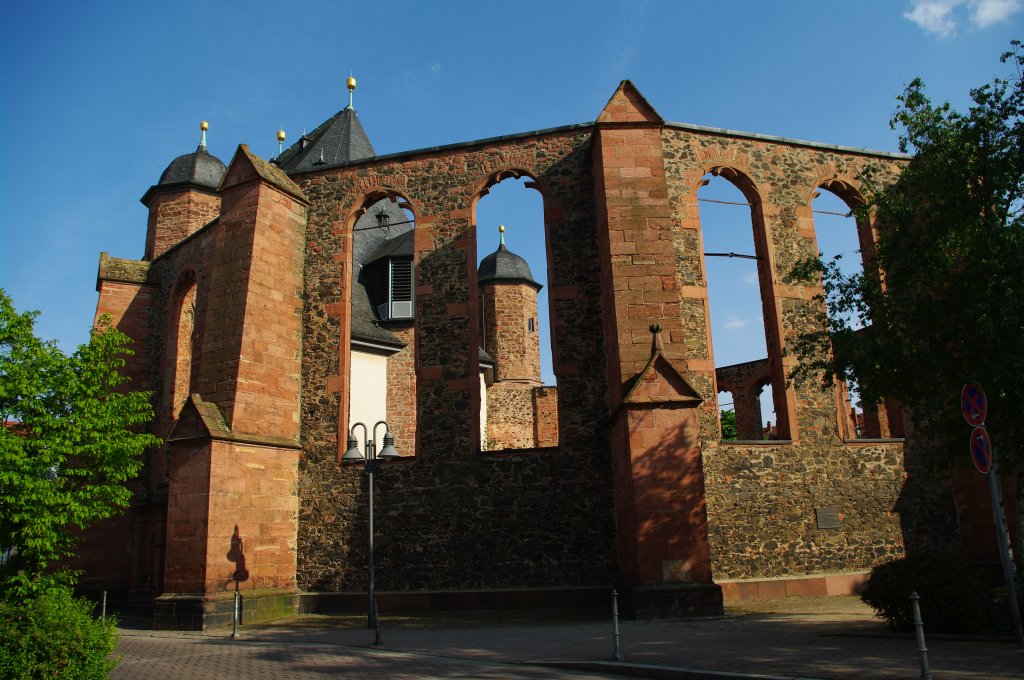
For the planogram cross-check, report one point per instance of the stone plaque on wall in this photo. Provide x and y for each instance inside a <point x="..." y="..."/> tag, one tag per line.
<point x="828" y="518"/>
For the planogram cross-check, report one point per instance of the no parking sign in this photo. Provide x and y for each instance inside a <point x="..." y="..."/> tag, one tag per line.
<point x="974" y="404"/>
<point x="981" y="450"/>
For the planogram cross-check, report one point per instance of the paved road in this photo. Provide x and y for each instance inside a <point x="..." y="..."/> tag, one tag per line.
<point x="827" y="638"/>
<point x="173" y="658"/>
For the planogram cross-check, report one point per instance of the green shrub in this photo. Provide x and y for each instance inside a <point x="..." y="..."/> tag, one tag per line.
<point x="54" y="635"/>
<point x="953" y="598"/>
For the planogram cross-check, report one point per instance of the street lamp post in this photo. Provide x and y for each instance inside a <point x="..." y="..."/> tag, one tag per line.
<point x="370" y="459"/>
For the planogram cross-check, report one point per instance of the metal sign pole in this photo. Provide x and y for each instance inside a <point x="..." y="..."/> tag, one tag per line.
<point x="974" y="406"/>
<point x="616" y="649"/>
<point x="1003" y="535"/>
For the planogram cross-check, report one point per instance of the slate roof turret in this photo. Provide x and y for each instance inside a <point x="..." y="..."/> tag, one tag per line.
<point x="504" y="266"/>
<point x="200" y="168"/>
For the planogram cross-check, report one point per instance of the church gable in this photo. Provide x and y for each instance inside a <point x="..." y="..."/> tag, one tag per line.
<point x="247" y="166"/>
<point x="198" y="419"/>
<point x="659" y="382"/>
<point x="627" y="105"/>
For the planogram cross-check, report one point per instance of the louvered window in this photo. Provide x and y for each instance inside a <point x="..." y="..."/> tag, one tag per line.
<point x="392" y="282"/>
<point x="401" y="289"/>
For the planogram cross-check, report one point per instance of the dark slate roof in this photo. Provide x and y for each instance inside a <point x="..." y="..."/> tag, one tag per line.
<point x="365" y="326"/>
<point x="339" y="139"/>
<point x="399" y="246"/>
<point x="373" y="239"/>
<point x="199" y="168"/>
<point x="369" y="238"/>
<point x="505" y="266"/>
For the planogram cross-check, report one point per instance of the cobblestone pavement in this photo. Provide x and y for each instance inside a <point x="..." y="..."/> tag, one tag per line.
<point x="831" y="638"/>
<point x="171" y="658"/>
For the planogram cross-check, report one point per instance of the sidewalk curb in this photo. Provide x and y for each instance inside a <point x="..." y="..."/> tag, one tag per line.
<point x="630" y="670"/>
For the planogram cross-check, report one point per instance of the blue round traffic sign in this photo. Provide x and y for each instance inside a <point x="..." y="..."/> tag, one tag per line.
<point x="974" y="404"/>
<point x="981" y="450"/>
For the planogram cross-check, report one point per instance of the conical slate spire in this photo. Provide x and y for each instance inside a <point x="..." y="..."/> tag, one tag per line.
<point x="340" y="139"/>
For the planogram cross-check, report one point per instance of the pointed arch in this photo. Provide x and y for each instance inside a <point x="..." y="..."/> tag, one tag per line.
<point x="763" y="267"/>
<point x="851" y="237"/>
<point x="378" y="356"/>
<point x="519" y="403"/>
<point x="183" y="341"/>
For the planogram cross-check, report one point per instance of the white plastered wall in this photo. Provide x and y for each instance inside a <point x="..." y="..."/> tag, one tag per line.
<point x="368" y="391"/>
<point x="483" y="412"/>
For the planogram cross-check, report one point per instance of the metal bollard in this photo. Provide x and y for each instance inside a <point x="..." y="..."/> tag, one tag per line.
<point x="103" y="609"/>
<point x="919" y="628"/>
<point x="234" y="616"/>
<point x="616" y="651"/>
<point x="376" y="622"/>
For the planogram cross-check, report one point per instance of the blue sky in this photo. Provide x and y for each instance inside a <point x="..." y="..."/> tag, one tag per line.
<point x="97" y="98"/>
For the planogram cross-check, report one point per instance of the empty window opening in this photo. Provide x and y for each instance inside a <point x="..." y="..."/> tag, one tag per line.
<point x="727" y="416"/>
<point x="839" y="242"/>
<point x="767" y="413"/>
<point x="733" y="263"/>
<point x="520" y="389"/>
<point x="382" y="375"/>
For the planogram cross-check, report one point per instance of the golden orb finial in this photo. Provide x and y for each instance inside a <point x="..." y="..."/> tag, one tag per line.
<point x="204" y="126"/>
<point x="351" y="85"/>
<point x="501" y="228"/>
<point x="501" y="232"/>
<point x="281" y="136"/>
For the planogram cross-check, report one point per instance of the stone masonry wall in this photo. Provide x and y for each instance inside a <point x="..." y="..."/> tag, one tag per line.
<point x="129" y="306"/>
<point x="401" y="414"/>
<point x="454" y="516"/>
<point x="510" y="417"/>
<point x="864" y="483"/>
<point x="507" y="309"/>
<point x="445" y="517"/>
<point x="254" y="329"/>
<point x="763" y="499"/>
<point x="174" y="216"/>
<point x="545" y="416"/>
<point x="173" y="272"/>
<point x="253" y="509"/>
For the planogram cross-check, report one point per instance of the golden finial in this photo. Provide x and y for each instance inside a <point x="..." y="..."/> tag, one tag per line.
<point x="280" y="140"/>
<point x="281" y="136"/>
<point x="501" y="231"/>
<point x="351" y="85"/>
<point x="204" y="126"/>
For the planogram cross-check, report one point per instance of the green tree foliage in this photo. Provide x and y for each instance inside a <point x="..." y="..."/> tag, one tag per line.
<point x="70" y="441"/>
<point x="729" y="431"/>
<point x="953" y="598"/>
<point x="949" y="307"/>
<point x="54" y="635"/>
